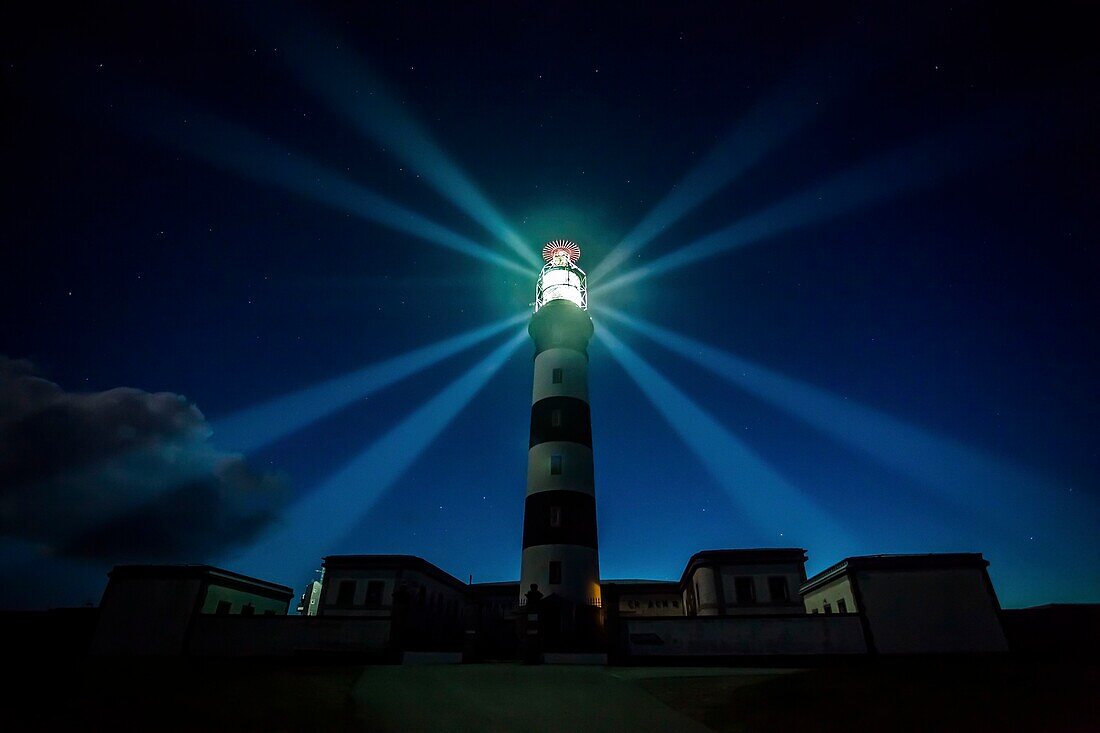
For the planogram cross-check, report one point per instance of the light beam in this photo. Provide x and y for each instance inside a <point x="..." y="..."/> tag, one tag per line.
<point x="254" y="427"/>
<point x="232" y="148"/>
<point x="332" y="70"/>
<point x="904" y="169"/>
<point x="766" y="499"/>
<point x="772" y="121"/>
<point x="966" y="477"/>
<point x="314" y="525"/>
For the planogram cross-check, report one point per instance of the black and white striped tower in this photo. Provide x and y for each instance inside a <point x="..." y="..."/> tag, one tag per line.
<point x="559" y="522"/>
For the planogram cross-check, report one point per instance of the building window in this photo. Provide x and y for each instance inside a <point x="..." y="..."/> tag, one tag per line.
<point x="374" y="592"/>
<point x="223" y="608"/>
<point x="345" y="595"/>
<point x="813" y="611"/>
<point x="777" y="588"/>
<point x="675" y="604"/>
<point x="556" y="375"/>
<point x="746" y="592"/>
<point x="828" y="608"/>
<point x="555" y="465"/>
<point x="555" y="516"/>
<point x="555" y="418"/>
<point x="842" y="606"/>
<point x="248" y="610"/>
<point x="555" y="572"/>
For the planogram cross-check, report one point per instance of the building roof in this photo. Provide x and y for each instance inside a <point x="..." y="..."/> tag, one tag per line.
<point x="749" y="556"/>
<point x="207" y="572"/>
<point x="411" y="562"/>
<point x="928" y="561"/>
<point x="641" y="586"/>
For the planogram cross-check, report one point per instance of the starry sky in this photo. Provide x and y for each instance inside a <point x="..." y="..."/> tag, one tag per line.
<point x="199" y="200"/>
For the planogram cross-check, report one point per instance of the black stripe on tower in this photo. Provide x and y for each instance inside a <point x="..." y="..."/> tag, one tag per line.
<point x="561" y="418"/>
<point x="559" y="518"/>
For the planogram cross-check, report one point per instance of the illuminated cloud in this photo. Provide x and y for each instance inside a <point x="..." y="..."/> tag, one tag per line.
<point x="122" y="475"/>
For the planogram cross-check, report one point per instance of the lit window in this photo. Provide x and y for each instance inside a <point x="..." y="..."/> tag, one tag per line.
<point x="556" y="376"/>
<point x="555" y="465"/>
<point x="555" y="572"/>
<point x="555" y="516"/>
<point x="555" y="418"/>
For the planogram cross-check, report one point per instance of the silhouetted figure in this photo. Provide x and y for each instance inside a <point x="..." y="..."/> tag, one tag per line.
<point x="530" y="643"/>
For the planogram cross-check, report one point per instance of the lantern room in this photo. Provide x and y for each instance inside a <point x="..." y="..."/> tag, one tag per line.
<point x="561" y="279"/>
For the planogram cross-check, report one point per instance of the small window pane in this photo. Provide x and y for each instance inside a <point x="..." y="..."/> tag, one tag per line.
<point x="555" y="516"/>
<point x="555" y="418"/>
<point x="746" y="593"/>
<point x="555" y="465"/>
<point x="555" y="572"/>
<point x="557" y="376"/>
<point x="345" y="596"/>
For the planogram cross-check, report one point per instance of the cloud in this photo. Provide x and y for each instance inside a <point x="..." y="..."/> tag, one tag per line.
<point x="122" y="475"/>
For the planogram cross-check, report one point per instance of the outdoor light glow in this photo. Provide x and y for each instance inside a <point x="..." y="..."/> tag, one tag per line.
<point x="561" y="279"/>
<point x="765" y="498"/>
<point x="315" y="525"/>
<point x="255" y="427"/>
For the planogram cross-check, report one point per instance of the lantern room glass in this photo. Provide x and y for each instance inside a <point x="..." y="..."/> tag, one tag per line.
<point x="560" y="279"/>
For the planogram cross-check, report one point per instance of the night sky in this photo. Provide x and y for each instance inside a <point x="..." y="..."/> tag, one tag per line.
<point x="200" y="200"/>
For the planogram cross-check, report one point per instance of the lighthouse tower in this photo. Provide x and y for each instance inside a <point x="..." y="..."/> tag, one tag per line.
<point x="559" y="523"/>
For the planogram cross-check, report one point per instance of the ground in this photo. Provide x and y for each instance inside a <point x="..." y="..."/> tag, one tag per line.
<point x="939" y="695"/>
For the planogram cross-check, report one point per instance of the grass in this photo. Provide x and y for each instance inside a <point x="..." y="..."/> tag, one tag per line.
<point x="926" y="695"/>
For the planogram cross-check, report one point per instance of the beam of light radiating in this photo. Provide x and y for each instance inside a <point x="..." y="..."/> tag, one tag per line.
<point x="329" y="68"/>
<point x="255" y="427"/>
<point x="907" y="168"/>
<point x="766" y="499"/>
<point x="314" y="525"/>
<point x="774" y="120"/>
<point x="232" y="148"/>
<point x="985" y="485"/>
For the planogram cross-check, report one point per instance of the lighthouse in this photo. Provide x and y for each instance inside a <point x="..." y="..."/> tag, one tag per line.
<point x="559" y="523"/>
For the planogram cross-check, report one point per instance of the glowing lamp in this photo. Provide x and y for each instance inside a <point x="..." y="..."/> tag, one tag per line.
<point x="561" y="279"/>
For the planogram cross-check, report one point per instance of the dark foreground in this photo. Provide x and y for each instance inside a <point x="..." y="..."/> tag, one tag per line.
<point x="939" y="695"/>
